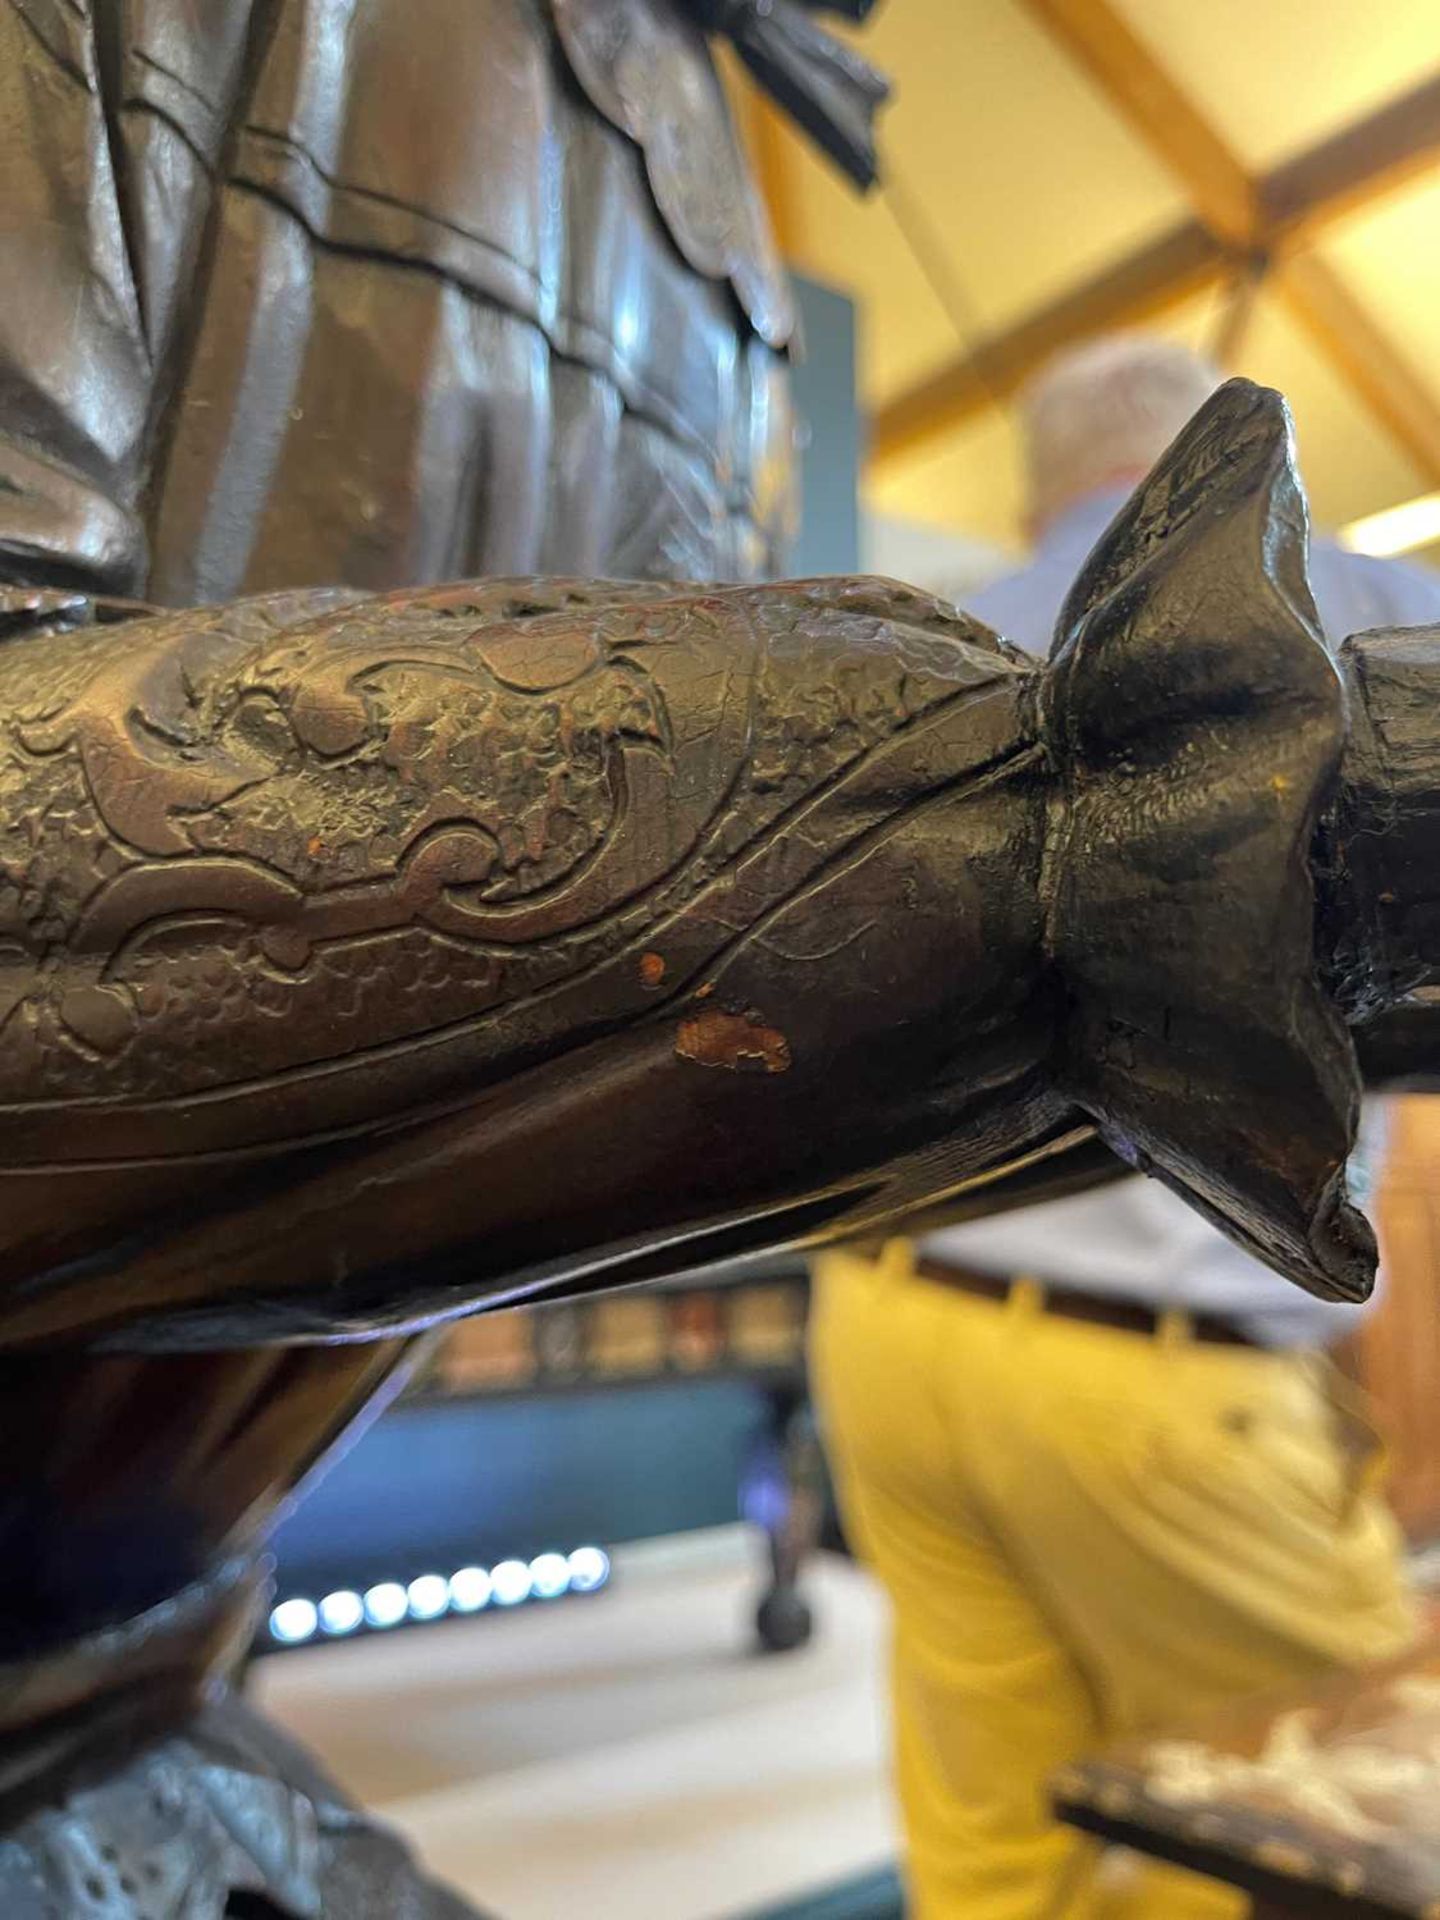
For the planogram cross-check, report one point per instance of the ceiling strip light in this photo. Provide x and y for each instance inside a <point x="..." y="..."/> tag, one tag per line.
<point x="1414" y="523"/>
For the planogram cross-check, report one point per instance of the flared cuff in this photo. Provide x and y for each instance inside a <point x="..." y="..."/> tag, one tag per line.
<point x="1196" y="725"/>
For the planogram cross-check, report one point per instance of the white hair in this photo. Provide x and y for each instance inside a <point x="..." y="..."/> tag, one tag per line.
<point x="1104" y="412"/>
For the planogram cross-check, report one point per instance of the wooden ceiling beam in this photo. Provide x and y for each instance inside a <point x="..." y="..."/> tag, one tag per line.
<point x="1359" y="164"/>
<point x="1291" y="205"/>
<point x="1148" y="284"/>
<point x="1327" y="181"/>
<point x="1384" y="380"/>
<point x="1132" y="81"/>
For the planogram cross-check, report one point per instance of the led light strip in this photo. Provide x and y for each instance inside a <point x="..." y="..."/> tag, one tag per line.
<point x="431" y="1596"/>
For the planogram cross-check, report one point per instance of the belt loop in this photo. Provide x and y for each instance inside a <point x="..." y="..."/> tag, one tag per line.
<point x="1027" y="1296"/>
<point x="897" y="1261"/>
<point x="1174" y="1328"/>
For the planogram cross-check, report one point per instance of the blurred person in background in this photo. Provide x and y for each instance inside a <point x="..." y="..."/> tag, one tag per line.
<point x="1099" y="1457"/>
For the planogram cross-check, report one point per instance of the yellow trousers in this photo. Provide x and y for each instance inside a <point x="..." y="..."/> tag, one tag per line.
<point x="1084" y="1533"/>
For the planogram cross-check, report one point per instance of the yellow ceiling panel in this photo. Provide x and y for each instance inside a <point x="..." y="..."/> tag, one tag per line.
<point x="969" y="482"/>
<point x="855" y="246"/>
<point x="1390" y="259"/>
<point x="1027" y="183"/>
<point x="1275" y="76"/>
<point x="1349" y="462"/>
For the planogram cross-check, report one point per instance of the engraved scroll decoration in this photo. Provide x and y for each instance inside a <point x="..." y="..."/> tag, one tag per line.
<point x="317" y="821"/>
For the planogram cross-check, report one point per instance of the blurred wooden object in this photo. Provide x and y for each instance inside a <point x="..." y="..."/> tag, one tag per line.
<point x="1318" y="1806"/>
<point x="1324" y="1805"/>
<point x="1397" y="1352"/>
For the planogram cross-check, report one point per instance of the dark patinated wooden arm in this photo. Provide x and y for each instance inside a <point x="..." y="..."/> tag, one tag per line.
<point x="365" y="960"/>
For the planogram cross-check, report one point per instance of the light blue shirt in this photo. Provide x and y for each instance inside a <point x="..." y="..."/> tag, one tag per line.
<point x="1353" y="591"/>
<point x="1136" y="1240"/>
